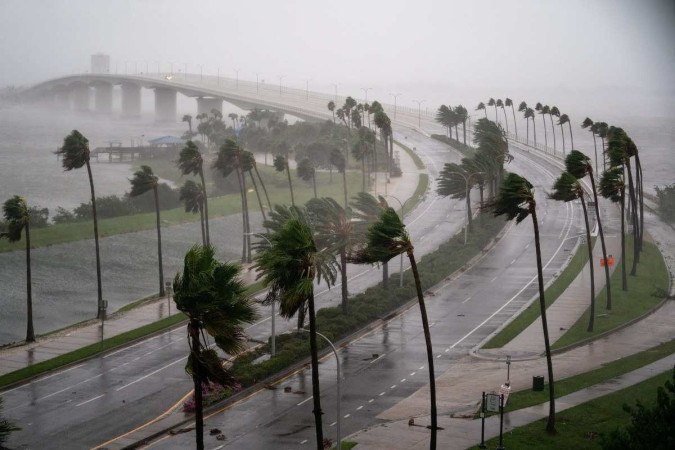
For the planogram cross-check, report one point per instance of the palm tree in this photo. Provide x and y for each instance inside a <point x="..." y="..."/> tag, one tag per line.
<point x="612" y="186"/>
<point x="289" y="267"/>
<point x="480" y="106"/>
<point x="386" y="239"/>
<point x="529" y="114"/>
<point x="366" y="209"/>
<point x="592" y="127"/>
<point x="336" y="232"/>
<point x="331" y="108"/>
<point x="509" y="102"/>
<point x="443" y="117"/>
<point x="462" y="116"/>
<point x="564" y="119"/>
<point x="516" y="200"/>
<point x="190" y="162"/>
<point x="540" y="108"/>
<point x="230" y="160"/>
<point x="248" y="166"/>
<point x="553" y="111"/>
<point x="492" y="102"/>
<point x="234" y="118"/>
<point x="602" y="130"/>
<point x="567" y="188"/>
<point x="579" y="165"/>
<point x="193" y="197"/>
<point x="500" y="104"/>
<point x="143" y="181"/>
<point x="17" y="217"/>
<point x="307" y="172"/>
<point x="214" y="299"/>
<point x="456" y="182"/>
<point x="75" y="155"/>
<point x="188" y="118"/>
<point x="281" y="164"/>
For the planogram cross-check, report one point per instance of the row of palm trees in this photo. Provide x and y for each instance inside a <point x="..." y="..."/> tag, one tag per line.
<point x="450" y="117"/>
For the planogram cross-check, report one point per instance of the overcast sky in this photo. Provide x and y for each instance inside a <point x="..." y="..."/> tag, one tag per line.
<point x="421" y="47"/>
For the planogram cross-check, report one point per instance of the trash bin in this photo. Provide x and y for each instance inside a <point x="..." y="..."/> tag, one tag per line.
<point x="538" y="383"/>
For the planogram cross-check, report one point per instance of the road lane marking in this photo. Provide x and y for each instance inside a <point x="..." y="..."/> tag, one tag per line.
<point x="412" y="374"/>
<point x="303" y="442"/>
<point x="421" y="368"/>
<point x="90" y="400"/>
<point x="492" y="280"/>
<point x="346" y="416"/>
<point x="378" y="358"/>
<point x="332" y="424"/>
<point x="305" y="400"/>
<point x="69" y="387"/>
<point x="403" y="380"/>
<point x="150" y="374"/>
<point x="381" y="394"/>
<point x="392" y="386"/>
<point x="466" y="300"/>
<point x="359" y="408"/>
<point x="371" y="400"/>
<point x="514" y="260"/>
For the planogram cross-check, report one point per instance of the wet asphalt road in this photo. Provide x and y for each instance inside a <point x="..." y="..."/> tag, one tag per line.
<point x="106" y="396"/>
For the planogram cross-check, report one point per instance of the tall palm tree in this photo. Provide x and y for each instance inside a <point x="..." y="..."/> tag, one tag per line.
<point x="613" y="187"/>
<point x="480" y="106"/>
<point x="366" y="209"/>
<point x="564" y="119"/>
<point x="335" y="230"/>
<point x="214" y="299"/>
<point x="443" y="117"/>
<point x="603" y="129"/>
<point x="588" y="123"/>
<point x="529" y="114"/>
<point x="281" y="164"/>
<point x="143" y="181"/>
<point x="192" y="196"/>
<point x="500" y="104"/>
<point x="188" y="118"/>
<point x="331" y="108"/>
<point x="516" y="200"/>
<point x="386" y="239"/>
<point x="567" y="188"/>
<point x="248" y="166"/>
<point x="462" y="116"/>
<point x="553" y="111"/>
<point x="492" y="102"/>
<point x="509" y="102"/>
<point x="75" y="155"/>
<point x="540" y="108"/>
<point x="230" y="160"/>
<point x="383" y="123"/>
<point x="289" y="267"/>
<point x="17" y="217"/>
<point x="307" y="172"/>
<point x="456" y="182"/>
<point x="579" y="165"/>
<point x="234" y="118"/>
<point x="190" y="162"/>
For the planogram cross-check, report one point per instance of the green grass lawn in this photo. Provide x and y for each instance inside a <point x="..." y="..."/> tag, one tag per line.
<point x="418" y="161"/>
<point x="645" y="291"/>
<point x="532" y="312"/>
<point x="596" y="418"/>
<point x="422" y="186"/>
<point x="277" y="187"/>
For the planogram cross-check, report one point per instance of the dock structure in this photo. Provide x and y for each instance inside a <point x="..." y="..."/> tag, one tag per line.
<point x="165" y="146"/>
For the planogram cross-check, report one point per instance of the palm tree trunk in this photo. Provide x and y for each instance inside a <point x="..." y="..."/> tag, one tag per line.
<point x="608" y="286"/>
<point x="262" y="184"/>
<point x="257" y="194"/>
<point x="624" y="281"/>
<point x="550" y="425"/>
<point x="30" y="332"/>
<point x="159" y="244"/>
<point x="290" y="185"/>
<point x="385" y="275"/>
<point x="604" y="155"/>
<point x="430" y="352"/>
<point x="464" y="131"/>
<point x="595" y="147"/>
<point x="243" y="216"/>
<point x="456" y="133"/>
<point x="638" y="168"/>
<point x="527" y="126"/>
<point x="469" y="215"/>
<point x="344" y="187"/>
<point x="206" y="208"/>
<point x="193" y="331"/>
<point x="201" y="224"/>
<point x="591" y="320"/>
<point x="534" y="131"/>
<point x="363" y="173"/>
<point x="314" y="183"/>
<point x="562" y="132"/>
<point x="485" y="111"/>
<point x="496" y="118"/>
<point x="569" y="124"/>
<point x="550" y="116"/>
<point x="506" y="120"/>
<point x="515" y="124"/>
<point x="543" y="120"/>
<point x="244" y="193"/>
<point x="343" y="276"/>
<point x="100" y="313"/>
<point x="318" y="426"/>
<point x="634" y="217"/>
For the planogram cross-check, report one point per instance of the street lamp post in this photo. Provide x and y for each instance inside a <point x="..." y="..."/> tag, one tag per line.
<point x="257" y="83"/>
<point x="185" y="73"/>
<point x="419" y="112"/>
<point x="274" y="336"/>
<point x="218" y="76"/>
<point x="201" y="72"/>
<point x="365" y="91"/>
<point x="395" y="97"/>
<point x="400" y="271"/>
<point x="335" y="85"/>
<point x="158" y="68"/>
<point x="307" y="89"/>
<point x="339" y="399"/>
<point x="281" y="77"/>
<point x="236" y="85"/>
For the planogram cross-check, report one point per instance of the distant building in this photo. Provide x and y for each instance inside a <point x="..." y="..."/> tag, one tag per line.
<point x="100" y="63"/>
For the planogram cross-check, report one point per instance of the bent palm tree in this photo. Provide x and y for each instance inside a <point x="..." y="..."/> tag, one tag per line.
<point x="193" y="198"/>
<point x="592" y="127"/>
<point x="500" y="104"/>
<point x="567" y="188"/>
<point x="190" y="161"/>
<point x="307" y="173"/>
<point x="509" y="102"/>
<point x="17" y="217"/>
<point x="542" y="112"/>
<point x="331" y="108"/>
<point x="480" y="106"/>
<point x="366" y="209"/>
<point x="613" y="187"/>
<point x="214" y="299"/>
<point x="289" y="266"/>
<point x="143" y="181"/>
<point x="516" y="200"/>
<point x="553" y="111"/>
<point x="529" y="114"/>
<point x="75" y="155"/>
<point x="386" y="239"/>
<point x="280" y="165"/>
<point x="492" y="102"/>
<point x="564" y="119"/>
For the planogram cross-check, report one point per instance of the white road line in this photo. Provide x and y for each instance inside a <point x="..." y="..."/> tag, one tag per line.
<point x="492" y="280"/>
<point x="514" y="260"/>
<point x="527" y="246"/>
<point x="447" y="350"/>
<point x="303" y="442"/>
<point x="393" y="386"/>
<point x="219" y="447"/>
<point x="378" y="358"/>
<point x="332" y="424"/>
<point x="41" y="379"/>
<point x="346" y="416"/>
<point x="438" y="356"/>
<point x="359" y="408"/>
<point x="305" y="400"/>
<point x="150" y="374"/>
<point x="402" y="380"/>
<point x="68" y="388"/>
<point x="421" y="368"/>
<point x="412" y="374"/>
<point x="371" y="400"/>
<point x="381" y="394"/>
<point x="90" y="400"/>
<point x="466" y="299"/>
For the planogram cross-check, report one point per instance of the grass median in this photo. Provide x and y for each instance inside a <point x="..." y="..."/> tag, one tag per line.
<point x="416" y="159"/>
<point x="532" y="312"/>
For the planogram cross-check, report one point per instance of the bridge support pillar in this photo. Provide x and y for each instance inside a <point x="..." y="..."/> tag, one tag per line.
<point x="165" y="105"/>
<point x="80" y="97"/>
<point x="131" y="100"/>
<point x="103" y="98"/>
<point x="207" y="104"/>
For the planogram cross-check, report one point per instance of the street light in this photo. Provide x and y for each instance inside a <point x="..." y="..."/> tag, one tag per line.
<point x="365" y="90"/>
<point x="201" y="72"/>
<point x="400" y="272"/>
<point x="158" y="68"/>
<point x="185" y="70"/>
<point x="281" y="77"/>
<point x="339" y="399"/>
<point x="468" y="198"/>
<point x="274" y="338"/>
<point x="395" y="97"/>
<point x="336" y="86"/>
<point x="257" y="83"/>
<point x="419" y="112"/>
<point x="218" y="76"/>
<point x="307" y="89"/>
<point x="236" y="71"/>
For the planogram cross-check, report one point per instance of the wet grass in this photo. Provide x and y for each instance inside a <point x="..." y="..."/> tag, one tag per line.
<point x="645" y="291"/>
<point x="584" y="426"/>
<point x="532" y="312"/>
<point x="420" y="190"/>
<point x="418" y="161"/>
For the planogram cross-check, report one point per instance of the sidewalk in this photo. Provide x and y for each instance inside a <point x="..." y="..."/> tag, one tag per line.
<point x="90" y="332"/>
<point x="459" y="388"/>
